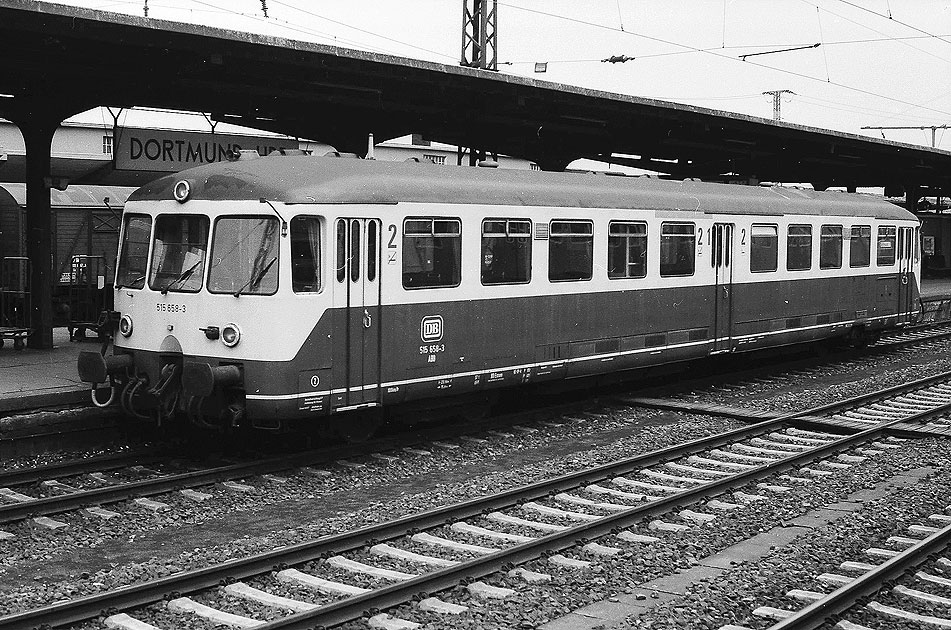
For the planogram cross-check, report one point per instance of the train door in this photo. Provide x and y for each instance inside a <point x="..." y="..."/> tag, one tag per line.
<point x="721" y="258"/>
<point x="906" y="266"/>
<point x="357" y="302"/>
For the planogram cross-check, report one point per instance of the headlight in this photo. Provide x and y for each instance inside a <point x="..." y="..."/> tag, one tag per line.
<point x="182" y="190"/>
<point x="230" y="335"/>
<point x="125" y="326"/>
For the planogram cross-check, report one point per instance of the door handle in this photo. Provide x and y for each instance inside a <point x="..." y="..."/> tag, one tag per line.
<point x="367" y="320"/>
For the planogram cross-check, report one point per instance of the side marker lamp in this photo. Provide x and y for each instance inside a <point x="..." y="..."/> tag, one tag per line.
<point x="230" y="335"/>
<point x="125" y="326"/>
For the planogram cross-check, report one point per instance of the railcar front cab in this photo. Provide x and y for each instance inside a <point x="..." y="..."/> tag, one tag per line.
<point x="205" y="292"/>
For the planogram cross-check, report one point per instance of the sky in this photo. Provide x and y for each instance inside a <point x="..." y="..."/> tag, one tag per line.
<point x="878" y="62"/>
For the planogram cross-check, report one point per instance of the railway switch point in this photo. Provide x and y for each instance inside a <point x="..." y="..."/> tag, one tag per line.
<point x="531" y="577"/>
<point x="432" y="604"/>
<point x="487" y="591"/>
<point x="383" y="621"/>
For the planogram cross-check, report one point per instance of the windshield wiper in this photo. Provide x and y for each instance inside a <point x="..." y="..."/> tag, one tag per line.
<point x="131" y="282"/>
<point x="257" y="277"/>
<point x="185" y="275"/>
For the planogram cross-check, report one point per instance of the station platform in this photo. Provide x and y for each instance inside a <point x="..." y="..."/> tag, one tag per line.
<point x="35" y="379"/>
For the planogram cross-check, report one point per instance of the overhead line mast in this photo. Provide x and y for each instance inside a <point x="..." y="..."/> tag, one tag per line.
<point x="479" y="50"/>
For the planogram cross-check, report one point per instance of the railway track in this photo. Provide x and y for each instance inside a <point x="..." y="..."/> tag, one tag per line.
<point x="861" y="584"/>
<point x="386" y="565"/>
<point x="94" y="482"/>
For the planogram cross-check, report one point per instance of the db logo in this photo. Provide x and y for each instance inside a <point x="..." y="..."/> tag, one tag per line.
<point x="430" y="329"/>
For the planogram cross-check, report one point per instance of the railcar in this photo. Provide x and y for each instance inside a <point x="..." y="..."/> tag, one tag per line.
<point x="330" y="290"/>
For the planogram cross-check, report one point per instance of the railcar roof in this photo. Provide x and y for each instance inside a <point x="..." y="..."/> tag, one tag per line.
<point x="329" y="180"/>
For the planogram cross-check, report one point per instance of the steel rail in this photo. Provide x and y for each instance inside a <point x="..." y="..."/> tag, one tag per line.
<point x="355" y="607"/>
<point x="869" y="583"/>
<point x="146" y="593"/>
<point x="103" y="463"/>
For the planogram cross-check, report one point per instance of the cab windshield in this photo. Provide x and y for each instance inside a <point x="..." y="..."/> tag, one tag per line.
<point x="178" y="256"/>
<point x="134" y="251"/>
<point x="244" y="255"/>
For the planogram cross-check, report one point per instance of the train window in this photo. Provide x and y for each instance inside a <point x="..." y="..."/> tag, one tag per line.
<point x="886" y="246"/>
<point x="677" y="250"/>
<point x="305" y="254"/>
<point x="506" y="251"/>
<point x="830" y="247"/>
<point x="134" y="254"/>
<point x="627" y="250"/>
<point x="178" y="256"/>
<point x="355" y="234"/>
<point x="432" y="253"/>
<point x="799" y="247"/>
<point x="764" y="247"/>
<point x="341" y="250"/>
<point x="570" y="246"/>
<point x="371" y="250"/>
<point x="860" y="246"/>
<point x="244" y="255"/>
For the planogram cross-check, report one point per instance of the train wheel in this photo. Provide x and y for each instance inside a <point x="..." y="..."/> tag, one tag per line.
<point x="358" y="426"/>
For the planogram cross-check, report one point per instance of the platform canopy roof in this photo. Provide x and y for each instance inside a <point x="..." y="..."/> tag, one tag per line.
<point x="58" y="61"/>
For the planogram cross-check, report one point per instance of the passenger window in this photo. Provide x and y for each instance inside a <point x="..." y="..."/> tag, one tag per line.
<point x="432" y="253"/>
<point x="677" y="250"/>
<point x="627" y="250"/>
<point x="305" y="254"/>
<point x="341" y="250"/>
<point x="799" y="248"/>
<point x="886" y="246"/>
<point x="570" y="248"/>
<point x="371" y="251"/>
<point x="506" y="251"/>
<point x="764" y="248"/>
<point x="860" y="246"/>
<point x="830" y="247"/>
<point x="354" y="251"/>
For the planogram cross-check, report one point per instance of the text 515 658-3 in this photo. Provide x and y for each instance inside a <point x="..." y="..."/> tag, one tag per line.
<point x="169" y="308"/>
<point x="432" y="349"/>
